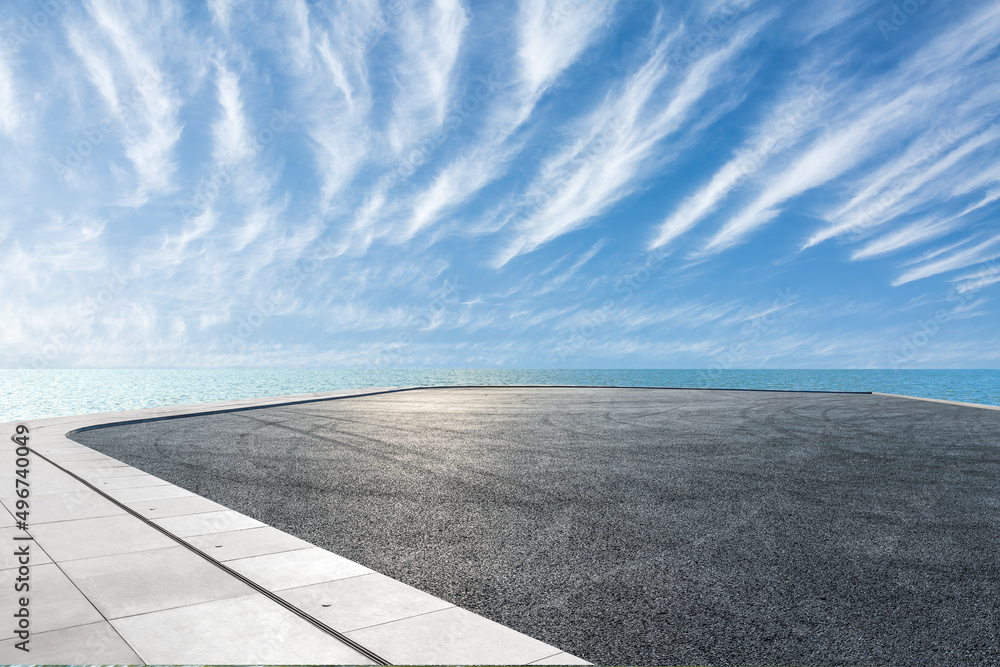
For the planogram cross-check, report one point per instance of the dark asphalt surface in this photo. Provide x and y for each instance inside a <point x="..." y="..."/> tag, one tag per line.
<point x="636" y="526"/>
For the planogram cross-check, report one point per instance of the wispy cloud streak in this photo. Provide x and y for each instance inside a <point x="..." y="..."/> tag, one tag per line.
<point x="10" y="114"/>
<point x="118" y="47"/>
<point x="786" y="125"/>
<point x="981" y="252"/>
<point x="614" y="146"/>
<point x="549" y="42"/>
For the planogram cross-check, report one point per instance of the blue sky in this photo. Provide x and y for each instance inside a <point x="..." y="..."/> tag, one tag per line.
<point x="565" y="183"/>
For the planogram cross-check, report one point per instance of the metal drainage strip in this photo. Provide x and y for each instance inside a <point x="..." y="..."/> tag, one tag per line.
<point x="371" y="655"/>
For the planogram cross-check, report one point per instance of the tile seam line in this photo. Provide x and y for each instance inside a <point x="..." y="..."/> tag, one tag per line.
<point x="320" y="625"/>
<point x="245" y="408"/>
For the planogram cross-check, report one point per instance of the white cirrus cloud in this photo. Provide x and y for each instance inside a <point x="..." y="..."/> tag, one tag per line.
<point x="615" y="146"/>
<point x="977" y="254"/>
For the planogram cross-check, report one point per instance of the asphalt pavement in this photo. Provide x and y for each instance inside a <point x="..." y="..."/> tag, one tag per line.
<point x="637" y="526"/>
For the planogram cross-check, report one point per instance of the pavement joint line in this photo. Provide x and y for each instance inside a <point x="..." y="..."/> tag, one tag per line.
<point x="371" y="655"/>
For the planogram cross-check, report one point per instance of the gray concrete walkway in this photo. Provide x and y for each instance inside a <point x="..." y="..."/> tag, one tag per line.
<point x="626" y="525"/>
<point x="125" y="567"/>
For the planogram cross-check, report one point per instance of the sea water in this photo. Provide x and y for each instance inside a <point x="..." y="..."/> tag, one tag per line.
<point x="32" y="394"/>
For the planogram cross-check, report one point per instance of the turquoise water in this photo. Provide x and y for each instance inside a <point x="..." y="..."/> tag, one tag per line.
<point x="31" y="394"/>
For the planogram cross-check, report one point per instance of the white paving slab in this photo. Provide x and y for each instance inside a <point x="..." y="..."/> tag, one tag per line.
<point x="360" y="602"/>
<point x="40" y="472"/>
<point x="131" y="482"/>
<point x="54" y="601"/>
<point x="84" y="504"/>
<point x="165" y="507"/>
<point x="8" y="557"/>
<point x="247" y="543"/>
<point x="107" y="472"/>
<point x="452" y="636"/>
<point x="47" y="487"/>
<point x="145" y="581"/>
<point x="77" y="454"/>
<point x="144" y="493"/>
<point x="218" y="632"/>
<point x="206" y="523"/>
<point x="292" y="569"/>
<point x="111" y="468"/>
<point x="104" y="536"/>
<point x="72" y="646"/>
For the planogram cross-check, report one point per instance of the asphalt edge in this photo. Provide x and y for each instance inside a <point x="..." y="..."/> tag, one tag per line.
<point x="92" y="427"/>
